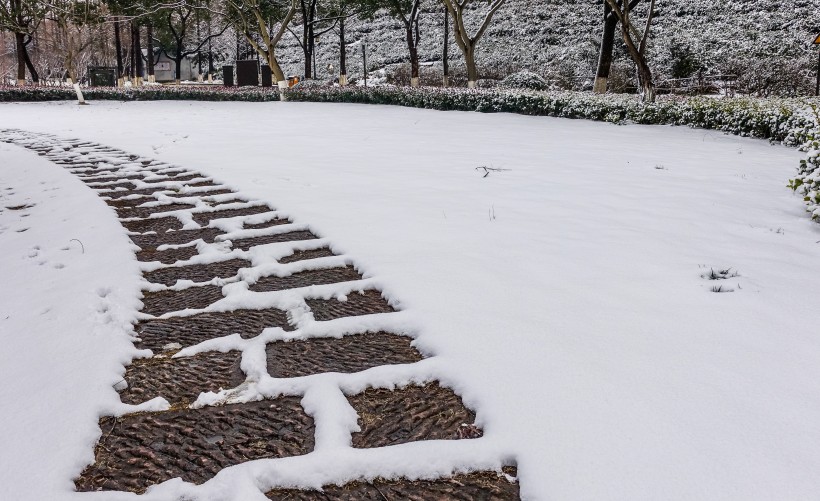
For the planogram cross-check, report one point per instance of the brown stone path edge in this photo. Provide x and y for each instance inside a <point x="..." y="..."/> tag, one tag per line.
<point x="139" y="450"/>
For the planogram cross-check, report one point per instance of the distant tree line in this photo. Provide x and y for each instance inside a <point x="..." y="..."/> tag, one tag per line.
<point x="70" y="35"/>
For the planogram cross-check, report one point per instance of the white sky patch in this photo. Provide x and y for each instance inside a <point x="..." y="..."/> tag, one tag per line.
<point x="564" y="298"/>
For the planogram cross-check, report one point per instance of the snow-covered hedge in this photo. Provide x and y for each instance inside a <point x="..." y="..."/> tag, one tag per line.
<point x="147" y="93"/>
<point x="794" y="122"/>
<point x="526" y="80"/>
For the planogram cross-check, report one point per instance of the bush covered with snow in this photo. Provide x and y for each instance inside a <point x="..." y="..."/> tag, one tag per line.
<point x="147" y="93"/>
<point x="525" y="80"/>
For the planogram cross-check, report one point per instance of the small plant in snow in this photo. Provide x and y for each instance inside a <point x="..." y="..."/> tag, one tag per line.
<point x="720" y="288"/>
<point x="719" y="274"/>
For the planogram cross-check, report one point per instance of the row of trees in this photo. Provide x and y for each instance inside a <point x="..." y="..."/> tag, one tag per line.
<point x="183" y="28"/>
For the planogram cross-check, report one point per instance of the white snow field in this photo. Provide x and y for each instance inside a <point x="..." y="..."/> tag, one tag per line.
<point x="564" y="297"/>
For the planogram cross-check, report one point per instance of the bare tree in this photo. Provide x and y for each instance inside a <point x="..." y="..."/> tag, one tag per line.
<point x="465" y="42"/>
<point x="263" y="23"/>
<point x="22" y="17"/>
<point x="636" y="44"/>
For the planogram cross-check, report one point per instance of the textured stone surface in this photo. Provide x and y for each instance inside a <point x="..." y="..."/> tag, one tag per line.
<point x="409" y="414"/>
<point x="371" y="301"/>
<point x="192" y="330"/>
<point x="308" y="254"/>
<point x="247" y="243"/>
<point x="306" y="279"/>
<point x="197" y="273"/>
<point x="181" y="380"/>
<point x="197" y="298"/>
<point x="482" y="486"/>
<point x="141" y="450"/>
<point x="347" y="355"/>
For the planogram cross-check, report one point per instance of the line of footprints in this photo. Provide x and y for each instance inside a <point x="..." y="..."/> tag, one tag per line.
<point x="221" y="312"/>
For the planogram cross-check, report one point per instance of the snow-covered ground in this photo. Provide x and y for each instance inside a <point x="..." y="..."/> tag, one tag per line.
<point x="564" y="294"/>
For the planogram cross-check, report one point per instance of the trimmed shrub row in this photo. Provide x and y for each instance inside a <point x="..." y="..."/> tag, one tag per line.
<point x="147" y="93"/>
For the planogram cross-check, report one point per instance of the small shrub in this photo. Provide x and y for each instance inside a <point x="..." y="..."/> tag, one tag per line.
<point x="524" y="80"/>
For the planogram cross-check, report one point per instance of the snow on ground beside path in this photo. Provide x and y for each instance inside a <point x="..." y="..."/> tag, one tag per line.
<point x="565" y="294"/>
<point x="69" y="290"/>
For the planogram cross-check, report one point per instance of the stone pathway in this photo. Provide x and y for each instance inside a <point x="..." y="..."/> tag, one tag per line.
<point x="199" y="242"/>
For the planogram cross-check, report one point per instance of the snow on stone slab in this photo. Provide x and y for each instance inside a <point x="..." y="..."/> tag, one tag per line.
<point x="566" y="298"/>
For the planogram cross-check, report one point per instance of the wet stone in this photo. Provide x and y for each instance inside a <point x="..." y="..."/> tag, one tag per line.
<point x="203" y="218"/>
<point x="181" y="380"/>
<point x="481" y="486"/>
<point x="192" y="330"/>
<point x="144" y="212"/>
<point x="169" y="256"/>
<point x="307" y="254"/>
<point x="141" y="450"/>
<point x="367" y="303"/>
<point x="197" y="298"/>
<point x="306" y="279"/>
<point x="346" y="355"/>
<point x="247" y="243"/>
<point x="197" y="273"/>
<point x="160" y="225"/>
<point x="409" y="414"/>
<point x="182" y="237"/>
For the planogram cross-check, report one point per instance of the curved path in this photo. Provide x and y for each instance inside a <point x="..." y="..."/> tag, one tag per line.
<point x="257" y="351"/>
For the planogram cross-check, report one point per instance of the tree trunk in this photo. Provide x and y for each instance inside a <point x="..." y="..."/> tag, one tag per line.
<point x="342" y="54"/>
<point x="149" y="28"/>
<point x="35" y="77"/>
<point x="605" y="55"/>
<point x="645" y="81"/>
<point x="19" y="39"/>
<point x="138" y="51"/>
<point x="472" y="70"/>
<point x="177" y="69"/>
<point x="445" y="54"/>
<point x="414" y="57"/>
<point x="118" y="48"/>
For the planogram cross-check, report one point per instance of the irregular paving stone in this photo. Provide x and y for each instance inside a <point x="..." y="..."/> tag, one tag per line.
<point x="126" y="193"/>
<point x="113" y="186"/>
<point x="159" y="225"/>
<point x="181" y="237"/>
<point x="306" y="279"/>
<point x="144" y="212"/>
<point x="346" y="355"/>
<point x="367" y="303"/>
<point x="292" y="236"/>
<point x="192" y="330"/>
<point x="181" y="380"/>
<point x="141" y="450"/>
<point x="409" y="414"/>
<point x="197" y="298"/>
<point x="267" y="224"/>
<point x="307" y="254"/>
<point x="169" y="256"/>
<point x="184" y="177"/>
<point x="198" y="272"/>
<point x="203" y="218"/>
<point x="481" y="486"/>
<point x="179" y="194"/>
